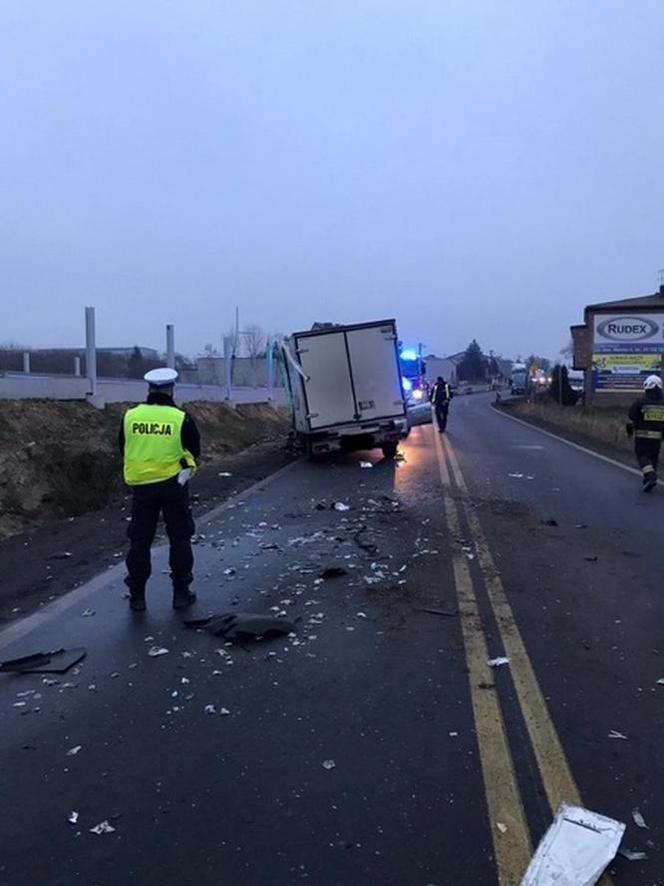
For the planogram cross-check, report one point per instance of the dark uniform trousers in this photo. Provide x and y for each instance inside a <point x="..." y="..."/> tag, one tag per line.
<point x="647" y="451"/>
<point x="149" y="501"/>
<point x="442" y="410"/>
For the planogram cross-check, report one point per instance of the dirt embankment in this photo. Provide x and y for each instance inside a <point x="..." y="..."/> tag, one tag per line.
<point x="603" y="428"/>
<point x="61" y="459"/>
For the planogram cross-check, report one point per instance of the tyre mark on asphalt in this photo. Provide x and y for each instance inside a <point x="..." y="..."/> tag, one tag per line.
<point x="511" y="841"/>
<point x="557" y="778"/>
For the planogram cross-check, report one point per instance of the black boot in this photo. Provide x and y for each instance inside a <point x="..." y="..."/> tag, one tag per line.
<point x="649" y="481"/>
<point x="137" y="601"/>
<point x="183" y="597"/>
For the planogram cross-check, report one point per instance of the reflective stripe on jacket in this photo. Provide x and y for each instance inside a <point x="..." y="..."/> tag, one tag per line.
<point x="153" y="449"/>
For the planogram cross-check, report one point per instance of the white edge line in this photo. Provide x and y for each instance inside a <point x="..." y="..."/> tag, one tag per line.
<point x="22" y="626"/>
<point x="527" y="424"/>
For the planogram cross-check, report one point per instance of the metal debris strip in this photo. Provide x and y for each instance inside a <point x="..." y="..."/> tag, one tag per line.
<point x="102" y="828"/>
<point x="497" y="662"/>
<point x="155" y="651"/>
<point x="633" y="854"/>
<point x="575" y="850"/>
<point x="59" y="661"/>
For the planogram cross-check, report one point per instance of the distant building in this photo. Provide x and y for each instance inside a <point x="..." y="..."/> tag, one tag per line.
<point x="618" y="345"/>
<point x="126" y="352"/>
<point x="447" y="367"/>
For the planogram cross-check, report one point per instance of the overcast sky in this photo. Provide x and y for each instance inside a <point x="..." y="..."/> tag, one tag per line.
<point x="476" y="169"/>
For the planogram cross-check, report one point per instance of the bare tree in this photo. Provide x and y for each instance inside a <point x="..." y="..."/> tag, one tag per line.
<point x="254" y="340"/>
<point x="210" y="350"/>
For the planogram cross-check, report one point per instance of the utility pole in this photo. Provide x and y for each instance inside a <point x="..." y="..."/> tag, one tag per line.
<point x="91" y="350"/>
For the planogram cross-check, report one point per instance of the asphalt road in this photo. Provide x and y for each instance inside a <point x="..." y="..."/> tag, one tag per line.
<point x="376" y="746"/>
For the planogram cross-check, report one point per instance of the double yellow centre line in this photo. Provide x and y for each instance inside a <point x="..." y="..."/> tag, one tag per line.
<point x="511" y="837"/>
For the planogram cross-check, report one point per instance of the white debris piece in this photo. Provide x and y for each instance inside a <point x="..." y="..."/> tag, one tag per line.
<point x="660" y="682"/>
<point x="210" y="709"/>
<point x="615" y="734"/>
<point x="340" y="506"/>
<point x="102" y="828"/>
<point x="575" y="850"/>
<point x="87" y="613"/>
<point x="639" y="820"/>
<point x="501" y="827"/>
<point x="516" y="476"/>
<point x="366" y="464"/>
<point x="497" y="662"/>
<point x="154" y="651"/>
<point x="224" y="712"/>
<point x="329" y="764"/>
<point x="224" y="474"/>
<point x="73" y="818"/>
<point x="73" y="751"/>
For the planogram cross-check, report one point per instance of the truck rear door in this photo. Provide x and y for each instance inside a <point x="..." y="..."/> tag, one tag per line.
<point x="329" y="390"/>
<point x="375" y="372"/>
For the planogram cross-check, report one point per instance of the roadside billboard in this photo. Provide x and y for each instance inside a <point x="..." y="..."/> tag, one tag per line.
<point x="629" y="334"/>
<point x="626" y="349"/>
<point x="623" y="372"/>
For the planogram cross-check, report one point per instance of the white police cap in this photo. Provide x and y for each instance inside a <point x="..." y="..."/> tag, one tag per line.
<point x="161" y="378"/>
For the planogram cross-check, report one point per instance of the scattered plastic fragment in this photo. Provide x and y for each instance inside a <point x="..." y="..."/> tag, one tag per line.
<point x="73" y="818"/>
<point x="224" y="474"/>
<point x="660" y="682"/>
<point x="516" y="476"/>
<point x="73" y="751"/>
<point x="633" y="854"/>
<point x="333" y="572"/>
<point x="366" y="464"/>
<point x="497" y="662"/>
<point x="340" y="506"/>
<point x="210" y="709"/>
<point x="501" y="827"/>
<point x="329" y="764"/>
<point x="550" y="522"/>
<point x="224" y="712"/>
<point x="102" y="828"/>
<point x="57" y="662"/>
<point x="61" y="555"/>
<point x="592" y="559"/>
<point x="154" y="651"/>
<point x="87" y="613"/>
<point x="639" y="820"/>
<point x="243" y="626"/>
<point x="575" y="850"/>
<point x="614" y="734"/>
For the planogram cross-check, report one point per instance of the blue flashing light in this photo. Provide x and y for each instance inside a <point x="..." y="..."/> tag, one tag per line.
<point x="407" y="384"/>
<point x="408" y="355"/>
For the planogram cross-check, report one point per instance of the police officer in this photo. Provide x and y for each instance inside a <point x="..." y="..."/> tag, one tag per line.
<point x="646" y="424"/>
<point x="160" y="444"/>
<point x="440" y="397"/>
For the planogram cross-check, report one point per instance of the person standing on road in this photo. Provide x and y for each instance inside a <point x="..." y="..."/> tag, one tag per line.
<point x="160" y="444"/>
<point x="440" y="397"/>
<point x="646" y="424"/>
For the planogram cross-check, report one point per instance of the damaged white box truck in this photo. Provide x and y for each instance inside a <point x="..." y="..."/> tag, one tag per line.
<point x="345" y="388"/>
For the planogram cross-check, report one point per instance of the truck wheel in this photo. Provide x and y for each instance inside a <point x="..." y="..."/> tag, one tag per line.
<point x="389" y="450"/>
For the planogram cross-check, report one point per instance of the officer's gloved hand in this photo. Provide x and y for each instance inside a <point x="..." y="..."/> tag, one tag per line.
<point x="629" y="429"/>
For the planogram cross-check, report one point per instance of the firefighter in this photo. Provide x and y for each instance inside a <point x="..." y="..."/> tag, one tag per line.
<point x="646" y="424"/>
<point x="160" y="444"/>
<point x="440" y="397"/>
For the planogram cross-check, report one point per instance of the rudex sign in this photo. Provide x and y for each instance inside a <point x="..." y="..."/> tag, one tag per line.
<point x="629" y="334"/>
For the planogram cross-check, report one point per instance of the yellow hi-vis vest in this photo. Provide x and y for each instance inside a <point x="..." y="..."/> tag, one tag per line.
<point x="153" y="449"/>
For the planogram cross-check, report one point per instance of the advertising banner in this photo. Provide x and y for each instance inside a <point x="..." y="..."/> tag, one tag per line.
<point x="629" y="334"/>
<point x="623" y="372"/>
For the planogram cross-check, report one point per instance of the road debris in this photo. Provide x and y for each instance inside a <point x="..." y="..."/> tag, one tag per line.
<point x="61" y="555"/>
<point x="551" y="521"/>
<point x="210" y="709"/>
<point x="639" y="820"/>
<point x="57" y="662"/>
<point x="87" y="613"/>
<point x="575" y="850"/>
<point x="447" y="614"/>
<point x="333" y="572"/>
<point x="73" y="751"/>
<point x="155" y="651"/>
<point x="633" y="854"/>
<point x="224" y="474"/>
<point x="73" y="818"/>
<point x="340" y="506"/>
<point x="614" y="734"/>
<point x="515" y="475"/>
<point x="366" y="464"/>
<point x="592" y="559"/>
<point x="243" y="626"/>
<point x="501" y="827"/>
<point x="102" y="828"/>
<point x="497" y="662"/>
<point x="329" y="764"/>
